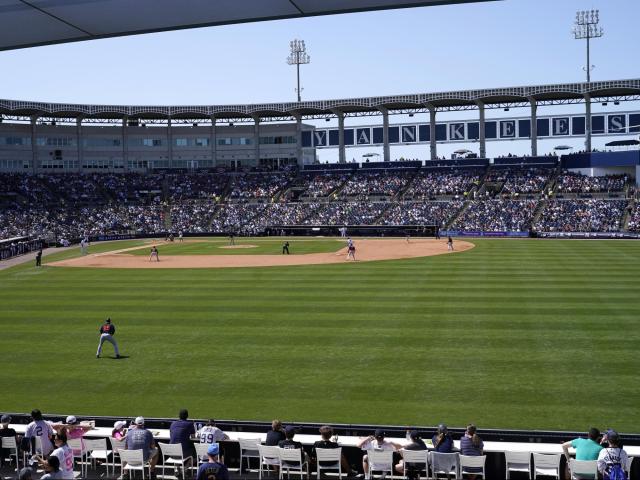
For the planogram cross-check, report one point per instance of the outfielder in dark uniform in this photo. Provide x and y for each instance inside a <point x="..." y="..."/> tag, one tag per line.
<point x="285" y="248"/>
<point x="107" y="330"/>
<point x="39" y="258"/>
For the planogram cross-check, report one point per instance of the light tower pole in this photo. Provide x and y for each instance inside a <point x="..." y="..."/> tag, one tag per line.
<point x="298" y="56"/>
<point x="586" y="27"/>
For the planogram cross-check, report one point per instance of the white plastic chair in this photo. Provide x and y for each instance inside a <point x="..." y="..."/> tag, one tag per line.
<point x="472" y="462"/>
<point x="379" y="461"/>
<point x="445" y="464"/>
<point x="173" y="456"/>
<point x="326" y="455"/>
<point x="628" y="466"/>
<point x="201" y="454"/>
<point x="517" y="462"/>
<point x="80" y="453"/>
<point x="583" y="469"/>
<point x="116" y="446"/>
<point x="10" y="443"/>
<point x="292" y="460"/>
<point x="132" y="460"/>
<point x="248" y="450"/>
<point x="419" y="460"/>
<point x="268" y="456"/>
<point x="547" y="465"/>
<point x="97" y="450"/>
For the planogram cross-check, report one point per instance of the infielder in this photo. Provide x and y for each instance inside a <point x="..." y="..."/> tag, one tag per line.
<point x="351" y="250"/>
<point x="154" y="254"/>
<point x="450" y="244"/>
<point x="106" y="335"/>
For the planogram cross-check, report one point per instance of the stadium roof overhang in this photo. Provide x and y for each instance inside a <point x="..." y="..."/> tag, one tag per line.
<point x="44" y="22"/>
<point x="616" y="90"/>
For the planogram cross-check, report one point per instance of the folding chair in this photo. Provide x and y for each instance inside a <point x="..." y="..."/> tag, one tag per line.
<point x="268" y="456"/>
<point x="379" y="461"/>
<point x="469" y="464"/>
<point x="583" y="469"/>
<point x="628" y="467"/>
<point x="332" y="457"/>
<point x="248" y="450"/>
<point x="10" y="443"/>
<point x="97" y="450"/>
<point x="116" y="446"/>
<point x="517" y="462"/>
<point x="419" y="460"/>
<point x="173" y="455"/>
<point x="132" y="460"/>
<point x="80" y="453"/>
<point x="445" y="464"/>
<point x="293" y="461"/>
<point x="201" y="453"/>
<point x="547" y="465"/>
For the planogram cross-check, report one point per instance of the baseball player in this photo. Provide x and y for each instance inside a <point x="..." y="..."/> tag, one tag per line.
<point x="351" y="250"/>
<point x="450" y="244"/>
<point x="285" y="248"/>
<point x="107" y="330"/>
<point x="154" y="254"/>
<point x="181" y="236"/>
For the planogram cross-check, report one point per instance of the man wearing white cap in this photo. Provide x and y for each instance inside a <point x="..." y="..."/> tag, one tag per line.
<point x="73" y="429"/>
<point x="213" y="469"/>
<point x="140" y="438"/>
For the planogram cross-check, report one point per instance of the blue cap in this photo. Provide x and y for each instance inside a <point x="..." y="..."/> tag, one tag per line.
<point x="290" y="429"/>
<point x="213" y="449"/>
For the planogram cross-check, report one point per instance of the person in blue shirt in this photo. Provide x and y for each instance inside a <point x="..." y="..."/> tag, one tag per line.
<point x="213" y="469"/>
<point x="442" y="440"/>
<point x="180" y="432"/>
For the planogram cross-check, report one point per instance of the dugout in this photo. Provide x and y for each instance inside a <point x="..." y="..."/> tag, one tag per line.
<point x="354" y="230"/>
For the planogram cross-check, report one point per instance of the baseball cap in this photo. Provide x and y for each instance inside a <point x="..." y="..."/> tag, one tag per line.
<point x="379" y="433"/>
<point x="139" y="421"/>
<point x="213" y="449"/>
<point x="290" y="429"/>
<point x="413" y="434"/>
<point x="119" y="424"/>
<point x="5" y="419"/>
<point x="442" y="428"/>
<point x="71" y="420"/>
<point x="612" y="436"/>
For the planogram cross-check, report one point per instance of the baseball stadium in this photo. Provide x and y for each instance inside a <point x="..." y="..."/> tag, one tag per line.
<point x="400" y="271"/>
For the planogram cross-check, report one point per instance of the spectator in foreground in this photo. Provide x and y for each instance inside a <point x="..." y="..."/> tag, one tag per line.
<point x="25" y="473"/>
<point x="5" y="431"/>
<point x="180" y="432"/>
<point x="416" y="444"/>
<point x="139" y="438"/>
<point x="275" y="435"/>
<point x="472" y="445"/>
<point x="40" y="428"/>
<point x="613" y="459"/>
<point x="586" y="448"/>
<point x="64" y="454"/>
<point x="442" y="440"/>
<point x="376" y="442"/>
<point x="290" y="443"/>
<point x="51" y="468"/>
<point x="119" y="432"/>
<point x="211" y="434"/>
<point x="326" y="432"/>
<point x="213" y="469"/>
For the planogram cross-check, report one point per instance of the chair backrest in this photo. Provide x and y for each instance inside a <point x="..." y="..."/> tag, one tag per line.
<point x="270" y="452"/>
<point x="517" y="457"/>
<point x="472" y="461"/>
<point x="583" y="467"/>
<point x="415" y="456"/>
<point x="541" y="460"/>
<point x="628" y="466"/>
<point x="132" y="457"/>
<point x="201" y="449"/>
<point x="76" y="445"/>
<point x="9" y="442"/>
<point x="117" y="445"/>
<point x="329" y="454"/>
<point x="445" y="462"/>
<point x="95" y="444"/>
<point x="171" y="449"/>
<point x="380" y="456"/>
<point x="249" y="443"/>
<point x="291" y="455"/>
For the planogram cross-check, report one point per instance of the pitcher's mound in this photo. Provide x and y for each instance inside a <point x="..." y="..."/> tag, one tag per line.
<point x="239" y="246"/>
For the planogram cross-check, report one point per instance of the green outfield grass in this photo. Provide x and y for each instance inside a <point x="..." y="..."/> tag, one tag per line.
<point x="259" y="246"/>
<point x="513" y="333"/>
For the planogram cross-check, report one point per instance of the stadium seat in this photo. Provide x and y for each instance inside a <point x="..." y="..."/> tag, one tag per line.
<point x="517" y="462"/>
<point x="472" y="462"/>
<point x="10" y="444"/>
<point x="628" y="467"/>
<point x="80" y="453"/>
<point x="417" y="458"/>
<point x="173" y="456"/>
<point x="445" y="464"/>
<point x="292" y="460"/>
<point x="248" y="450"/>
<point x="97" y="450"/>
<point x="268" y="456"/>
<point x="380" y="461"/>
<point x="116" y="446"/>
<point x="546" y="465"/>
<point x="132" y="460"/>
<point x="201" y="454"/>
<point x="333" y="455"/>
<point x="583" y="469"/>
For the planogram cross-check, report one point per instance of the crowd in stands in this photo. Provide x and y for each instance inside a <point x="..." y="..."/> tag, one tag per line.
<point x="347" y="213"/>
<point x="634" y="218"/>
<point x="520" y="180"/>
<point x="496" y="215"/>
<point x="252" y="186"/>
<point x="588" y="215"/>
<point x="432" y="184"/>
<point x="367" y="184"/>
<point x="322" y="184"/>
<point x="192" y="217"/>
<point x="571" y="182"/>
<point x="421" y="213"/>
<point x="184" y="186"/>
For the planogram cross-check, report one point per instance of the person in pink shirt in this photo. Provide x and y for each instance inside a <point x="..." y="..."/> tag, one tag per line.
<point x="119" y="432"/>
<point x="73" y="429"/>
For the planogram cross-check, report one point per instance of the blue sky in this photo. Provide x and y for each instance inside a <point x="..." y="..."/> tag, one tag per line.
<point x="505" y="43"/>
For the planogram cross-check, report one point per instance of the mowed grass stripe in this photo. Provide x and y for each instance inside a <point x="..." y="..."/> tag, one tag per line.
<point x="520" y="334"/>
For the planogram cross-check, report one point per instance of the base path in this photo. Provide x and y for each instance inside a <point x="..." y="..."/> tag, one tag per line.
<point x="367" y="250"/>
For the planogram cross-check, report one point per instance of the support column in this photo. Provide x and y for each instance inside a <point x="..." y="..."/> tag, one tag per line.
<point x="432" y="132"/>
<point x="481" y="132"/>
<point x="534" y="127"/>
<point x="125" y="144"/>
<point x="299" y="154"/>
<point x="587" y="122"/>
<point x="342" y="153"/>
<point x="34" y="146"/>
<point x="80" y="146"/>
<point x="386" y="151"/>
<point x="170" y="142"/>
<point x="256" y="140"/>
<point x="213" y="141"/>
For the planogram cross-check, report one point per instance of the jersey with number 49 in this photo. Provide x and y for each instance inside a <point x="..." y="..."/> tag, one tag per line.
<point x="65" y="455"/>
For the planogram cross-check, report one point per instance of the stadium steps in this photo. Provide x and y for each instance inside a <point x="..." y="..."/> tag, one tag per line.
<point x="168" y="223"/>
<point x="400" y="195"/>
<point x="537" y="213"/>
<point x="626" y="216"/>
<point x="384" y="212"/>
<point x="214" y="214"/>
<point x="455" y="216"/>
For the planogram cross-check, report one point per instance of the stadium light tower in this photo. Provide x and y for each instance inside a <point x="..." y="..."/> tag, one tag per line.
<point x="297" y="57"/>
<point x="586" y="27"/>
